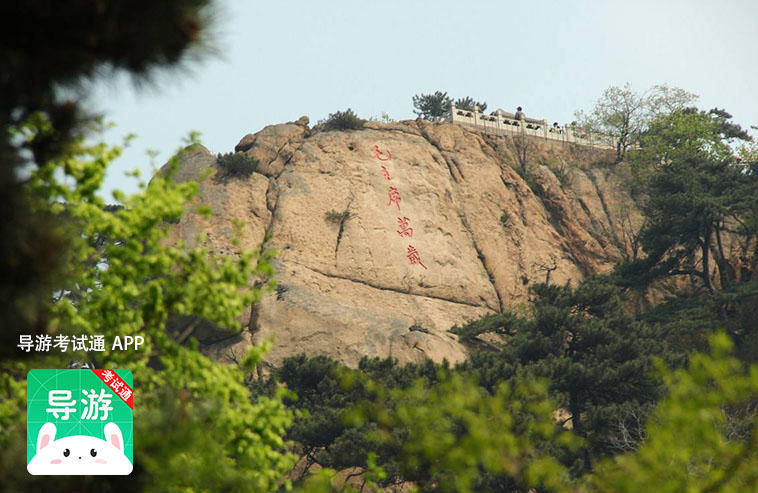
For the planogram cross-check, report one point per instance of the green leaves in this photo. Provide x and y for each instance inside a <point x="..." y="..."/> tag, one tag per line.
<point x="469" y="104"/>
<point x="431" y="106"/>
<point x="455" y="431"/>
<point x="697" y="199"/>
<point x="126" y="278"/>
<point x="595" y="356"/>
<point x="343" y="120"/>
<point x="687" y="448"/>
<point x="626" y="114"/>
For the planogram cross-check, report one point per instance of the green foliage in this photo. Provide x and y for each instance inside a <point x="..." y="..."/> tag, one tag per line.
<point x="626" y="114"/>
<point x="327" y="481"/>
<point x="505" y="219"/>
<point x="449" y="434"/>
<point x="696" y="195"/>
<point x="594" y="354"/>
<point x="468" y="103"/>
<point x="325" y="431"/>
<point x="459" y="438"/>
<point x="126" y="280"/>
<point x="505" y="323"/>
<point x="748" y="153"/>
<point x="383" y="118"/>
<point x="335" y="217"/>
<point x="432" y="106"/>
<point x="92" y="38"/>
<point x="237" y="164"/>
<point x="688" y="448"/>
<point x="343" y="120"/>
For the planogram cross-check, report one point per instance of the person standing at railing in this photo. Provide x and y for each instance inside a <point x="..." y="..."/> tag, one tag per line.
<point x="519" y="114"/>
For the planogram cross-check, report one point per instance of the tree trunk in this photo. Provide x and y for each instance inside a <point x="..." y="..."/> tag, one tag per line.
<point x="578" y="428"/>
<point x="705" y="248"/>
<point x="725" y="277"/>
<point x="619" y="152"/>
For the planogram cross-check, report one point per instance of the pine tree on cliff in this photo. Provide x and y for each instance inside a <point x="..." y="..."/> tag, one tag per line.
<point x="596" y="357"/>
<point x="431" y="106"/>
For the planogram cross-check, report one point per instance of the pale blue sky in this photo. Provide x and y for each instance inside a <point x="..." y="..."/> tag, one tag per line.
<point x="283" y="59"/>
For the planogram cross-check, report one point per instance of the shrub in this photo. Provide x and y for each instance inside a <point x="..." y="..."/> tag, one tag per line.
<point x="280" y="290"/>
<point x="384" y="118"/>
<point x="335" y="217"/>
<point x="237" y="164"/>
<point x="505" y="219"/>
<point x="343" y="120"/>
<point x="468" y="103"/>
<point x="418" y="328"/>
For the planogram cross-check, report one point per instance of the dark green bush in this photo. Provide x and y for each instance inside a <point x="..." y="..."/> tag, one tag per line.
<point x="343" y="120"/>
<point x="418" y="328"/>
<point x="505" y="219"/>
<point x="335" y="217"/>
<point x="237" y="164"/>
<point x="468" y="103"/>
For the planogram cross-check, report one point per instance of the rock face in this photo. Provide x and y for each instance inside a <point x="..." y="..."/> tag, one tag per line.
<point x="388" y="236"/>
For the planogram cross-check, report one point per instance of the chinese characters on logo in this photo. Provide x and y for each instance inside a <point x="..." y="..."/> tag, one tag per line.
<point x="62" y="404"/>
<point x="117" y="385"/>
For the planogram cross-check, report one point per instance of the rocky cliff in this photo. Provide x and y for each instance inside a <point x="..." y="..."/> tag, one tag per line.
<point x="388" y="236"/>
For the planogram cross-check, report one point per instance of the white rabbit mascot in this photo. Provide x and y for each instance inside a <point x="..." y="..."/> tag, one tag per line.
<point x="80" y="455"/>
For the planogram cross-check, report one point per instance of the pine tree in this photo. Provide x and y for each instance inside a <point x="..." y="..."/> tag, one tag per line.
<point x="595" y="355"/>
<point x="431" y="106"/>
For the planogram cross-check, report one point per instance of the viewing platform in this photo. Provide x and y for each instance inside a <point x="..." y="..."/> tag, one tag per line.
<point x="501" y="122"/>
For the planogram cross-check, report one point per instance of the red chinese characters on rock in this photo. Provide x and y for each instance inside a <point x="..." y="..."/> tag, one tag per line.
<point x="394" y="197"/>
<point x="404" y="229"/>
<point x="378" y="154"/>
<point x="413" y="256"/>
<point x="386" y="173"/>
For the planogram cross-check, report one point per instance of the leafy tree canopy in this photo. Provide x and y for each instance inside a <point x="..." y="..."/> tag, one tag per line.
<point x="695" y="195"/>
<point x="123" y="279"/>
<point x="691" y="444"/>
<point x="625" y="113"/>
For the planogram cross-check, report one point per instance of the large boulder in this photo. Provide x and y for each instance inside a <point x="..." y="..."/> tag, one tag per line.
<point x="388" y="236"/>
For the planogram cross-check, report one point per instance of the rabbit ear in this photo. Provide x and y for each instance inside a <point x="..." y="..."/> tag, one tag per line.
<point x="46" y="436"/>
<point x="113" y="436"/>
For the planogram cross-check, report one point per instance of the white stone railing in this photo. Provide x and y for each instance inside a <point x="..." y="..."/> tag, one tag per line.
<point x="507" y="124"/>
